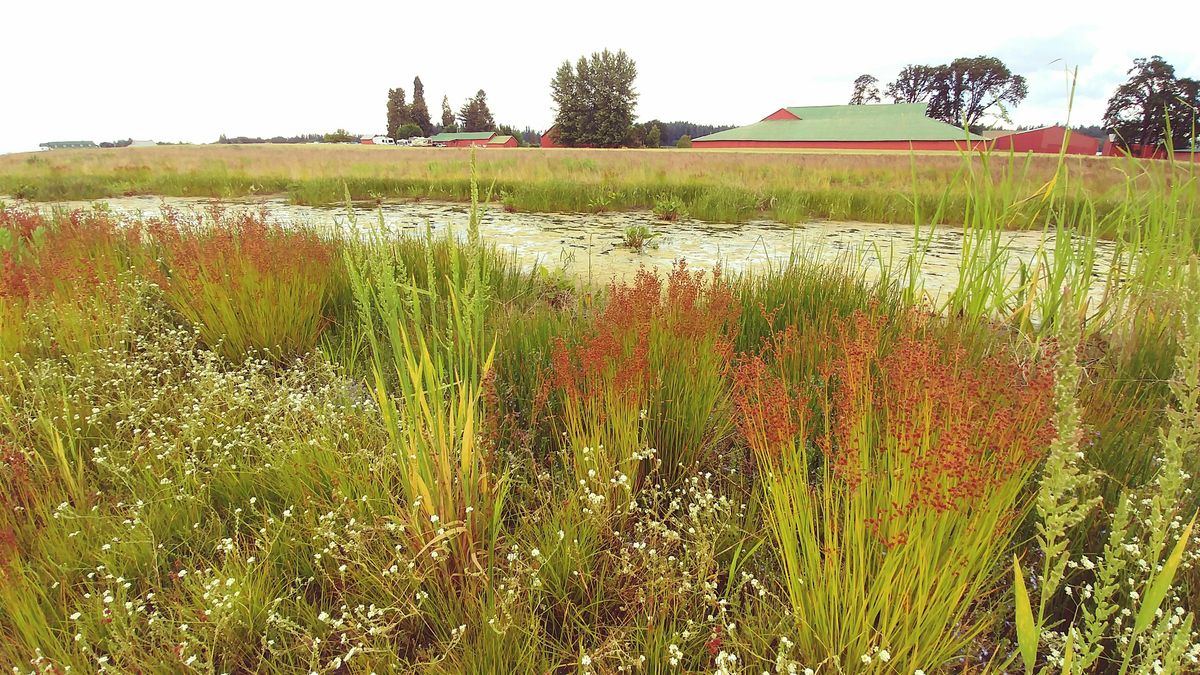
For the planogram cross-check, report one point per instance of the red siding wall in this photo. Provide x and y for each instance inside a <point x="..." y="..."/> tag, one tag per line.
<point x="1147" y="152"/>
<point x="781" y="114"/>
<point x="1048" y="140"/>
<point x="464" y="143"/>
<point x="510" y="143"/>
<point x="550" y="138"/>
<point x="841" y="145"/>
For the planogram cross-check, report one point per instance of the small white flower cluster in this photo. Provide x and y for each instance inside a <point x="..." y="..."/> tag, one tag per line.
<point x="726" y="663"/>
<point x="876" y="652"/>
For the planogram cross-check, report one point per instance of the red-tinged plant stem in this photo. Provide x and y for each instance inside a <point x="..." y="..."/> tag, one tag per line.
<point x="890" y="523"/>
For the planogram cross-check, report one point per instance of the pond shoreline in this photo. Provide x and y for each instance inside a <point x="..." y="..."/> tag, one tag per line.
<point x="589" y="245"/>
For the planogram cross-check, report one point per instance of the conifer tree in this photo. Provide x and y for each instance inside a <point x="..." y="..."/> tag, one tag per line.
<point x="419" y="112"/>
<point x="474" y="114"/>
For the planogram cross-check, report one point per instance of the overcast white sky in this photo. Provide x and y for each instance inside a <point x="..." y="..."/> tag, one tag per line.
<point x="172" y="71"/>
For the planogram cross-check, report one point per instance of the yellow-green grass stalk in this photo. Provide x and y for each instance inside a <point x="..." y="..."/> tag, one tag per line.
<point x="869" y="564"/>
<point x="430" y="360"/>
<point x="249" y="286"/>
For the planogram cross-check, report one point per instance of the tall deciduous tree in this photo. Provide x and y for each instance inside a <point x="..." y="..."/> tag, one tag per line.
<point x="979" y="86"/>
<point x="420" y="111"/>
<point x="569" y="117"/>
<point x="914" y="84"/>
<point x="474" y="114"/>
<point x="447" y="115"/>
<point x="594" y="102"/>
<point x="866" y="90"/>
<point x="1185" y="121"/>
<point x="966" y="90"/>
<point x="1139" y="109"/>
<point x="397" y="112"/>
<point x="653" y="136"/>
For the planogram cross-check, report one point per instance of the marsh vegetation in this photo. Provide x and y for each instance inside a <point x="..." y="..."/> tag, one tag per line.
<point x="230" y="445"/>
<point x="718" y="186"/>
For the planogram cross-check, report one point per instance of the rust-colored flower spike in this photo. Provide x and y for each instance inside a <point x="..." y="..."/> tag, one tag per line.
<point x="230" y="245"/>
<point x="959" y="427"/>
<point x="968" y="427"/>
<point x="79" y="249"/>
<point x="614" y="354"/>
<point x="769" y="416"/>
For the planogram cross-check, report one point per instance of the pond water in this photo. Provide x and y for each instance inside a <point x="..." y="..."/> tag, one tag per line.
<point x="589" y="245"/>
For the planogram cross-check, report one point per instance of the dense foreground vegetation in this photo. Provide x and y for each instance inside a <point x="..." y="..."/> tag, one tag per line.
<point x="716" y="185"/>
<point x="228" y="446"/>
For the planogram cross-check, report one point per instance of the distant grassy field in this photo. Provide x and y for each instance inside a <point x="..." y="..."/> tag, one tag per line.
<point x="725" y="186"/>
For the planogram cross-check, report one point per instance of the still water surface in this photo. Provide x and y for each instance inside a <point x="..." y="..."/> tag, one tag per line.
<point x="589" y="245"/>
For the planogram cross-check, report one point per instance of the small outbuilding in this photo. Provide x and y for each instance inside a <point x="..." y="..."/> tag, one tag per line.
<point x="1044" y="140"/>
<point x="875" y="127"/>
<point x="502" y="142"/>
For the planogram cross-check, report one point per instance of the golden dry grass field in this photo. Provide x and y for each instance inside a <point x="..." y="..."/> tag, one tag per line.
<point x="728" y="186"/>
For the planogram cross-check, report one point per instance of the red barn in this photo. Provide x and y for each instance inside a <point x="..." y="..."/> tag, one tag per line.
<point x="550" y="138"/>
<point x="462" y="139"/>
<point x="879" y="127"/>
<point x="1044" y="140"/>
<point x="502" y="142"/>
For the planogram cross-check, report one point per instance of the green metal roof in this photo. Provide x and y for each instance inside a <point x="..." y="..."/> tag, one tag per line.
<point x="68" y="144"/>
<point x="500" y="139"/>
<point x="876" y="122"/>
<point x="462" y="136"/>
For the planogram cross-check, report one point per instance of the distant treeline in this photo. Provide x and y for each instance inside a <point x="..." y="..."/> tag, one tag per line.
<point x="641" y="134"/>
<point x="1093" y="130"/>
<point x="305" y="138"/>
<point x="671" y="132"/>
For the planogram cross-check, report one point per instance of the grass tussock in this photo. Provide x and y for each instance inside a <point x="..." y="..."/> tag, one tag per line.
<point x="249" y="284"/>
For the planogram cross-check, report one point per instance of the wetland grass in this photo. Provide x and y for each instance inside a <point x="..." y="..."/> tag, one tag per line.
<point x="456" y="465"/>
<point x="713" y="186"/>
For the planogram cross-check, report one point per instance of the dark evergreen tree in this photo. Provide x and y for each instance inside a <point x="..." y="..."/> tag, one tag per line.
<point x="506" y="130"/>
<point x="671" y="132"/>
<point x="531" y="137"/>
<point x="447" y="116"/>
<point x="397" y="112"/>
<point x="474" y="114"/>
<point x="419" y="111"/>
